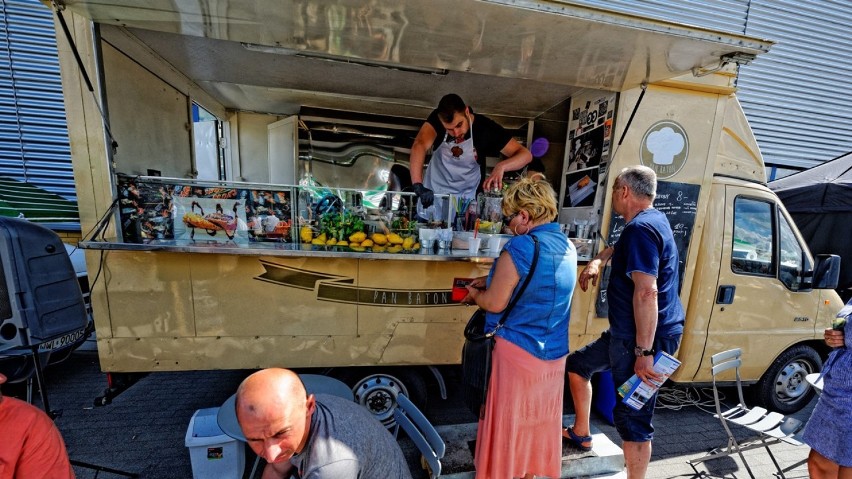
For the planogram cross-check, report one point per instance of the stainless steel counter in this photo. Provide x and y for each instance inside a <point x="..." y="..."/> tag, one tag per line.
<point x="281" y="249"/>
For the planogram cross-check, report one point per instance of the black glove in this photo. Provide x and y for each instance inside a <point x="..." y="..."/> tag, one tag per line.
<point x="425" y="194"/>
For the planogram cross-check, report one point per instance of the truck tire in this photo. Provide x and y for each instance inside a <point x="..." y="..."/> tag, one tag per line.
<point x="783" y="387"/>
<point x="377" y="388"/>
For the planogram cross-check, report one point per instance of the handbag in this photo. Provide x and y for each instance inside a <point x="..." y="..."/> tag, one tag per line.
<point x="476" y="352"/>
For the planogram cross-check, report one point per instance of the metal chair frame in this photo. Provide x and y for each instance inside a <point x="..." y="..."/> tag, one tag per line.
<point x="771" y="427"/>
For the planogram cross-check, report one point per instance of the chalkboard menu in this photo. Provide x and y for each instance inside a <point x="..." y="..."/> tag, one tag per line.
<point x="678" y="201"/>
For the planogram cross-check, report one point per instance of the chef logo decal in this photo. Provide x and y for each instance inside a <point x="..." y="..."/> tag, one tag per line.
<point x="341" y="289"/>
<point x="665" y="148"/>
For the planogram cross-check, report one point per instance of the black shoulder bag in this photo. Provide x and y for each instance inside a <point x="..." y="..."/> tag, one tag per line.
<point x="476" y="353"/>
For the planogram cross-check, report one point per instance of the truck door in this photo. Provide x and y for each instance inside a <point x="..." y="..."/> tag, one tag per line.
<point x="761" y="304"/>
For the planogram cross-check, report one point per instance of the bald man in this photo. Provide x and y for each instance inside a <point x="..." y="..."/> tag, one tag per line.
<point x="313" y="437"/>
<point x="30" y="444"/>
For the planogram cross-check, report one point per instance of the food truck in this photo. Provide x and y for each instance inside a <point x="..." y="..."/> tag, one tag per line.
<point x="240" y="169"/>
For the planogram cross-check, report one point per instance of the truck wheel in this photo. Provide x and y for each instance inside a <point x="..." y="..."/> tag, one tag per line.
<point x="783" y="387"/>
<point x="378" y="389"/>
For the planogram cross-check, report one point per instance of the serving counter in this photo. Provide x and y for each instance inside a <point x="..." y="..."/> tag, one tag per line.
<point x="286" y="249"/>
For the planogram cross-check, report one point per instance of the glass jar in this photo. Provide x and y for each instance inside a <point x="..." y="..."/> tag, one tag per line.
<point x="491" y="212"/>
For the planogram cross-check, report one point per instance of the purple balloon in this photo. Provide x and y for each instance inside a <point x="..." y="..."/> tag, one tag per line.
<point x="539" y="147"/>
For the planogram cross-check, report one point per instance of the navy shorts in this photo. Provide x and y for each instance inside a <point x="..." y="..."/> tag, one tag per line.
<point x="616" y="355"/>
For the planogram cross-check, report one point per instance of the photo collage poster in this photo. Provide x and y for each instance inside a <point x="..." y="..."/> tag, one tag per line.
<point x="589" y="145"/>
<point x="169" y="209"/>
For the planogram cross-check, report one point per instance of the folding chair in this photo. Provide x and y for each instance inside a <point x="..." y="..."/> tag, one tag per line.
<point x="771" y="427"/>
<point x="422" y="433"/>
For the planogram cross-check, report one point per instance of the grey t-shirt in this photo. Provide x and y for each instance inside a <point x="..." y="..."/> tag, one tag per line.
<point x="346" y="442"/>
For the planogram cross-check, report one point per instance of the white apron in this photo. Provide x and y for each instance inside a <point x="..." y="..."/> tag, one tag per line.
<point x="453" y="169"/>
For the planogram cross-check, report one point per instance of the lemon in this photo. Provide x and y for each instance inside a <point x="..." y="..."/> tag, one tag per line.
<point x="359" y="249"/>
<point x="415" y="247"/>
<point x="322" y="238"/>
<point x="342" y="243"/>
<point x="357" y="237"/>
<point x="318" y="242"/>
<point x="408" y="242"/>
<point x="394" y="249"/>
<point x="367" y="243"/>
<point x="379" y="249"/>
<point x="331" y="242"/>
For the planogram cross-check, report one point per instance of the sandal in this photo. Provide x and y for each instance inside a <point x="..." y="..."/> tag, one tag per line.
<point x="577" y="441"/>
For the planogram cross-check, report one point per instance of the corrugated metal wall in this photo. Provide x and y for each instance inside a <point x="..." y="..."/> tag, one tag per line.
<point x="34" y="143"/>
<point x="797" y="97"/>
<point x="725" y="15"/>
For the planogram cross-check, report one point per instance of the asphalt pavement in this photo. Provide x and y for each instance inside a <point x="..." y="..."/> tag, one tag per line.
<point x="143" y="430"/>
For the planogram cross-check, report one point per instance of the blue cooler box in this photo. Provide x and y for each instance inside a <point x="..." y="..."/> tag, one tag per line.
<point x="213" y="453"/>
<point x="603" y="395"/>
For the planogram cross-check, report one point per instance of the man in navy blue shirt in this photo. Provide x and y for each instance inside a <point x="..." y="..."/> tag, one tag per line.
<point x="645" y="315"/>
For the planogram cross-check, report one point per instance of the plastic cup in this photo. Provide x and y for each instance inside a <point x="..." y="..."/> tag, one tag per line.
<point x="494" y="245"/>
<point x="473" y="245"/>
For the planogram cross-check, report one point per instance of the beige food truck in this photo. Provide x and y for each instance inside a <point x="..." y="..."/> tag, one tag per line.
<point x="211" y="239"/>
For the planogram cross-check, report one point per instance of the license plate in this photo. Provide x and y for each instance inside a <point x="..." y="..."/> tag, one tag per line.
<point x="62" y="341"/>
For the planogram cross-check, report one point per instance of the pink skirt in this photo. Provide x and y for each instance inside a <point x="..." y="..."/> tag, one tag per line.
<point x="521" y="432"/>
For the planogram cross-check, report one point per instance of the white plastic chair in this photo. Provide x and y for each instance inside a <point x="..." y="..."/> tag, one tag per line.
<point x="422" y="433"/>
<point x="771" y="427"/>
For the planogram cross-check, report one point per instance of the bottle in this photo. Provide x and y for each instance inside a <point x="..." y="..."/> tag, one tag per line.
<point x="840" y="321"/>
<point x="593" y="221"/>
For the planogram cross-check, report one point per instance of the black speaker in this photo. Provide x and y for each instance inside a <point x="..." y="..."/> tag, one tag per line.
<point x="40" y="298"/>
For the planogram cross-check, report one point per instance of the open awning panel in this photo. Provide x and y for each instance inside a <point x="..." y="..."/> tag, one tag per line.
<point x="233" y="48"/>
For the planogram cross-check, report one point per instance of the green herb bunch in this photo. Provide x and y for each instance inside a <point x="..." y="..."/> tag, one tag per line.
<point x="340" y="225"/>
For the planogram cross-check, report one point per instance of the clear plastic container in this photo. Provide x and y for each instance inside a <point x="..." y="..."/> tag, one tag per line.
<point x="491" y="213"/>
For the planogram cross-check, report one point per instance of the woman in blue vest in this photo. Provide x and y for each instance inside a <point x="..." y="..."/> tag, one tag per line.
<point x="523" y="406"/>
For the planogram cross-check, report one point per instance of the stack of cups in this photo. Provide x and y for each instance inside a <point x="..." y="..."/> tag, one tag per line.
<point x="427" y="240"/>
<point x="445" y="238"/>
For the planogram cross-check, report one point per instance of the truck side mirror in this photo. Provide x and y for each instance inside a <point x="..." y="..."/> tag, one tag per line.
<point x="826" y="272"/>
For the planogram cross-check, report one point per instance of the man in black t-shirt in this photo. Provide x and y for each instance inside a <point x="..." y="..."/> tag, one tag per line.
<point x="460" y="140"/>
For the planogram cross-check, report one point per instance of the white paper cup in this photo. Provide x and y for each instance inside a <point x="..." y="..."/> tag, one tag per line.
<point x="473" y="245"/>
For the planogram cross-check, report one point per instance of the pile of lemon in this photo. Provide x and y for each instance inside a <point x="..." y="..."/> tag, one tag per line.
<point x="377" y="242"/>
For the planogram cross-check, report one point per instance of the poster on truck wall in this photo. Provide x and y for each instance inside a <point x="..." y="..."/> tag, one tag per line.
<point x="152" y="209"/>
<point x="210" y="219"/>
<point x="587" y="156"/>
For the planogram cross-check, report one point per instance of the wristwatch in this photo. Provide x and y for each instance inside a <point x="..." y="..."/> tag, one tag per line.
<point x="639" y="352"/>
